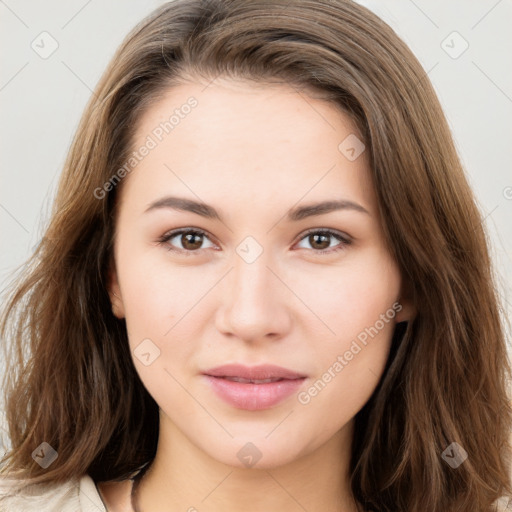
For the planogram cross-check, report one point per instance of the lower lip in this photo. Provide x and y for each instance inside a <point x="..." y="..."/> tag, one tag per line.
<point x="253" y="397"/>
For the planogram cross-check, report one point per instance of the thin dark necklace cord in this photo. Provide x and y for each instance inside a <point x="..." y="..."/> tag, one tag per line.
<point x="136" y="481"/>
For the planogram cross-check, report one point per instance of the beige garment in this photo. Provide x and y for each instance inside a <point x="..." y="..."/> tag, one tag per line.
<point x="76" y="495"/>
<point x="79" y="495"/>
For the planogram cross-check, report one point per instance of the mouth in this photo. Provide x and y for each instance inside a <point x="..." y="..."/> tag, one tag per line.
<point x="260" y="372"/>
<point x="253" y="388"/>
<point x="253" y="381"/>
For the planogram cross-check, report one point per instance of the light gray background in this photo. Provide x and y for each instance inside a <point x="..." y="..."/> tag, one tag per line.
<point x="42" y="99"/>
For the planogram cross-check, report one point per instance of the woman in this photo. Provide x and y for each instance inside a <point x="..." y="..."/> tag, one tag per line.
<point x="192" y="345"/>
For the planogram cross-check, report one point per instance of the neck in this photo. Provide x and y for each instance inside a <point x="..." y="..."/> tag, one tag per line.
<point x="184" y="477"/>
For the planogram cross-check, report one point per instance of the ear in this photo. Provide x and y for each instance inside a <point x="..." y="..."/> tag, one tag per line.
<point x="408" y="309"/>
<point x="114" y="291"/>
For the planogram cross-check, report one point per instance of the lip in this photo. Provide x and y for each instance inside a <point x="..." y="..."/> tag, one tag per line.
<point x="253" y="396"/>
<point x="259" y="372"/>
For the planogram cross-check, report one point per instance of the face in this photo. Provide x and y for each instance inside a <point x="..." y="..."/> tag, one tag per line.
<point x="257" y="277"/>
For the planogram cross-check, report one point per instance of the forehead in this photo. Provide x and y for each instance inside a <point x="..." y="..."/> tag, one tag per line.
<point x="252" y="140"/>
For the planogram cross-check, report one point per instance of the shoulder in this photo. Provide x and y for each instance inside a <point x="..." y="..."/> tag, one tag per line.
<point x="74" y="495"/>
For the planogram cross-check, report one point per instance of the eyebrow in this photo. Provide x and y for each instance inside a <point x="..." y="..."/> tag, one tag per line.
<point x="294" y="214"/>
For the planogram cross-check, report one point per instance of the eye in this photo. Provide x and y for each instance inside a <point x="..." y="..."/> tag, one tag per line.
<point x="322" y="238"/>
<point x="189" y="240"/>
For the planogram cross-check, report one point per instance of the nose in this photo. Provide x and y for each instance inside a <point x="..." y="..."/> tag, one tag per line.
<point x="253" y="302"/>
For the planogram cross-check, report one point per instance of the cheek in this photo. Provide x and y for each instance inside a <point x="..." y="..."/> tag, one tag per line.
<point x="156" y="294"/>
<point x="349" y="368"/>
<point x="359" y="305"/>
<point x="156" y="299"/>
<point x="163" y="304"/>
<point x="352" y="296"/>
<point x="149" y="310"/>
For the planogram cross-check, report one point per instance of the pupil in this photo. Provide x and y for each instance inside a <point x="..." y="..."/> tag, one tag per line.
<point x="188" y="240"/>
<point x="326" y="240"/>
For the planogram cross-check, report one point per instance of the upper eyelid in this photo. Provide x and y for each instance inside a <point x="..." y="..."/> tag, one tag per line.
<point x="330" y="231"/>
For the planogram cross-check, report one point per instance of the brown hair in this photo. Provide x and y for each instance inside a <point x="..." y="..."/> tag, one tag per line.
<point x="447" y="371"/>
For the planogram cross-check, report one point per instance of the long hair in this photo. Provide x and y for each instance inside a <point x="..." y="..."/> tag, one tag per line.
<point x="70" y="381"/>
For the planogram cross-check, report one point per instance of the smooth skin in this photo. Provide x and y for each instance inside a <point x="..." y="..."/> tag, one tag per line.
<point x="253" y="152"/>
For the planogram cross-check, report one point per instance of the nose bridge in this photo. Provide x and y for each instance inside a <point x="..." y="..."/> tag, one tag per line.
<point x="251" y="278"/>
<point x="251" y="303"/>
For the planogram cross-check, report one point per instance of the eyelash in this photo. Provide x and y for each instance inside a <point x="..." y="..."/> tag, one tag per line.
<point x="164" y="240"/>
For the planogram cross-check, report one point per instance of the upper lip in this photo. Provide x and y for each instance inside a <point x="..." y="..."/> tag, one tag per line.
<point x="260" y="372"/>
